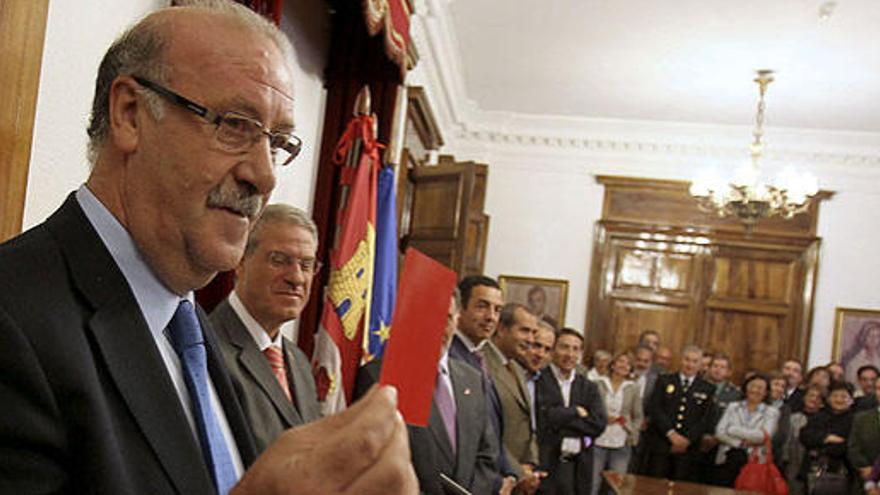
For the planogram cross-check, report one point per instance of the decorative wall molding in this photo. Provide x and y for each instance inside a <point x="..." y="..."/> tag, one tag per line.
<point x="489" y="132"/>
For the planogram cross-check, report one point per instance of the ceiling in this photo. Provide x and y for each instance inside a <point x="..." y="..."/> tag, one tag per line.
<point x="674" y="60"/>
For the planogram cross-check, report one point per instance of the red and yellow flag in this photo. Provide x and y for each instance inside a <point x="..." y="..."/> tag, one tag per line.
<point x="339" y="343"/>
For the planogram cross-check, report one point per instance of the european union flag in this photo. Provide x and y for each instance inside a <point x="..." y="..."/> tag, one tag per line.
<point x="385" y="268"/>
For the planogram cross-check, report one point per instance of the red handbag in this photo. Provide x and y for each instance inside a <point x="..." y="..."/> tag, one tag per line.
<point x="758" y="477"/>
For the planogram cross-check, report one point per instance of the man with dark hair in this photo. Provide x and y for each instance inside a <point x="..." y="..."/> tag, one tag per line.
<point x="866" y="375"/>
<point x="458" y="441"/>
<point x="868" y="400"/>
<point x="111" y="376"/>
<point x="679" y="413"/>
<point x="480" y="310"/>
<point x="272" y="377"/>
<point x="650" y="338"/>
<point x="717" y="374"/>
<point x="793" y="371"/>
<point x="570" y="415"/>
<point x="505" y="352"/>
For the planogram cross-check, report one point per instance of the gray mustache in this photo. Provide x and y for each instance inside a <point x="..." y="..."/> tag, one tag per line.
<point x="240" y="199"/>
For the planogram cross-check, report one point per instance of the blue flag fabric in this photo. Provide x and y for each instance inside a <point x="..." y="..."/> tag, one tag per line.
<point x="385" y="268"/>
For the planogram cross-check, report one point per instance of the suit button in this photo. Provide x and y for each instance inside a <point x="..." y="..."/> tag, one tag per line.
<point x="677" y="425"/>
<point x="680" y="417"/>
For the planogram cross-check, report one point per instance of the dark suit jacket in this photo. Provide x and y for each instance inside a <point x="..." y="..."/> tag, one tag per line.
<point x="863" y="444"/>
<point x="556" y="421"/>
<point x="87" y="403"/>
<point x="473" y="464"/>
<point x="260" y="394"/>
<point x="507" y="464"/>
<point x="664" y="411"/>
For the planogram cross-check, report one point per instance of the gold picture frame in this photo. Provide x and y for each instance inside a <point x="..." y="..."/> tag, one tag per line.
<point x="856" y="339"/>
<point x="520" y="289"/>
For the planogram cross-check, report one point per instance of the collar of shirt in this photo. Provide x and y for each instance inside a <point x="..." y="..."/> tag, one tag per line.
<point x="443" y="364"/>
<point x="253" y="327"/>
<point x="685" y="380"/>
<point x="491" y="345"/>
<point x="157" y="302"/>
<point x="469" y="343"/>
<point x="558" y="374"/>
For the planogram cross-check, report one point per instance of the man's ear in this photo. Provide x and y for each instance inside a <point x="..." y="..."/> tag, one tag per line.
<point x="124" y="106"/>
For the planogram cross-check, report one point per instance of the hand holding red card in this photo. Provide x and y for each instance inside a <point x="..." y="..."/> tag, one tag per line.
<point x="412" y="352"/>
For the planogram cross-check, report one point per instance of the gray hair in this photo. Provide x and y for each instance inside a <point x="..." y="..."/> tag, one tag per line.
<point x="691" y="348"/>
<point x="280" y="213"/>
<point x="141" y="50"/>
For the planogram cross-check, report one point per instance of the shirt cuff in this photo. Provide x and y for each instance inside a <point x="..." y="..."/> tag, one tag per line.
<point x="870" y="485"/>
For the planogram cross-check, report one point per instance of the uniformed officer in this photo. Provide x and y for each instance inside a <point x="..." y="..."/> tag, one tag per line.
<point x="680" y="411"/>
<point x="717" y="375"/>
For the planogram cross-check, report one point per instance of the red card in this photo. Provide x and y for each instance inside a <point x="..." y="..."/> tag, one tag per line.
<point x="412" y="352"/>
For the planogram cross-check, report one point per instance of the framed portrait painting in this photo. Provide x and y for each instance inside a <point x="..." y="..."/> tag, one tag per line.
<point x="545" y="297"/>
<point x="856" y="340"/>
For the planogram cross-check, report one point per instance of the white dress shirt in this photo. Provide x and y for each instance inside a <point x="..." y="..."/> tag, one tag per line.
<point x="158" y="305"/>
<point x="570" y="445"/>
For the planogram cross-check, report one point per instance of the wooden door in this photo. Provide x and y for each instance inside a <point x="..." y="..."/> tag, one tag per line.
<point x="22" y="30"/>
<point x="444" y="215"/>
<point x="661" y="264"/>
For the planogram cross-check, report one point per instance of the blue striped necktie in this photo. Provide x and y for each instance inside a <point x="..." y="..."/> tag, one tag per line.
<point x="189" y="343"/>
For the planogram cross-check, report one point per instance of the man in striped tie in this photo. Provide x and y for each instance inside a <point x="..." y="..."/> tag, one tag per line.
<point x="273" y="281"/>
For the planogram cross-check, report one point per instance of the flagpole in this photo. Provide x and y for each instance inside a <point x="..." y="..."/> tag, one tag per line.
<point x="361" y="107"/>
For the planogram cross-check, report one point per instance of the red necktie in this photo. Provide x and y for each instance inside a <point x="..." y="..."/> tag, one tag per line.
<point x="276" y="361"/>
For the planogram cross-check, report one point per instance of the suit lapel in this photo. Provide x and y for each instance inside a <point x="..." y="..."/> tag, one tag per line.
<point x="438" y="431"/>
<point x="252" y="360"/>
<point x="506" y="378"/>
<point x="300" y="389"/>
<point x="128" y="350"/>
<point x="235" y="416"/>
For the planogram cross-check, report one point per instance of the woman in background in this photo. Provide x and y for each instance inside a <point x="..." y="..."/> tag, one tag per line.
<point x="623" y="403"/>
<point x="744" y="426"/>
<point x="792" y="455"/>
<point x="825" y="436"/>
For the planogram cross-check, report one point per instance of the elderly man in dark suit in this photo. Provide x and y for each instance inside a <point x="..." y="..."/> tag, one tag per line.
<point x="570" y="415"/>
<point x="272" y="377"/>
<point x="680" y="412"/>
<point x="458" y="442"/>
<point x="111" y="378"/>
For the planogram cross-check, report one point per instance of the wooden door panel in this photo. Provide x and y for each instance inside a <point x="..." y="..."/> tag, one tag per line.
<point x="635" y="268"/>
<point x="674" y="273"/>
<point x="753" y="341"/>
<point x="630" y="318"/>
<point x="741" y="278"/>
<point x="660" y="263"/>
<point x="654" y="270"/>
<point x="443" y="251"/>
<point x="435" y="205"/>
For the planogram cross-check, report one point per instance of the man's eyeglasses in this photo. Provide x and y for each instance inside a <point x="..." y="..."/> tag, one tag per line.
<point x="234" y="132"/>
<point x="309" y="266"/>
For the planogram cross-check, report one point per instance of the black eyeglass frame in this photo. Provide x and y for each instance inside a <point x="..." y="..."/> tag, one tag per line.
<point x="289" y="142"/>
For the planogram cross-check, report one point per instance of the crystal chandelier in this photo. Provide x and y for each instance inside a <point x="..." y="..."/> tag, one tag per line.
<point x="748" y="195"/>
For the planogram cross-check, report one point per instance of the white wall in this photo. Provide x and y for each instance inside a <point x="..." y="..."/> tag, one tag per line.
<point x="544" y="201"/>
<point x="77" y="35"/>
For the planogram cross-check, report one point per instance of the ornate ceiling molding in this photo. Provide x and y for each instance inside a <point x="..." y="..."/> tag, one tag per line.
<point x="471" y="128"/>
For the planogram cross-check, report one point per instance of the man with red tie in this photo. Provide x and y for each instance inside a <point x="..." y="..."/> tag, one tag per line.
<point x="271" y="375"/>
